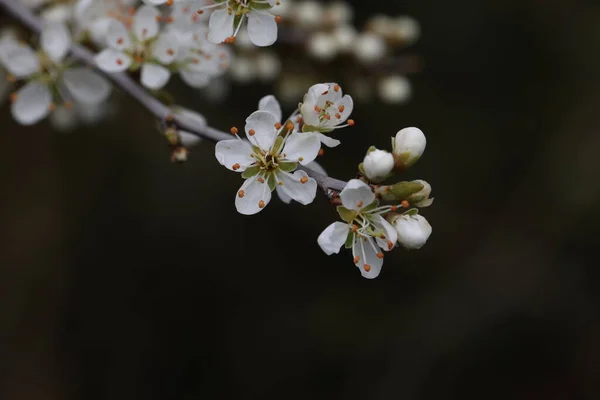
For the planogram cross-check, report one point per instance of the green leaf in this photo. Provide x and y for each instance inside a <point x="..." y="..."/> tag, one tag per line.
<point x="346" y="214"/>
<point x="399" y="191"/>
<point x="371" y="206"/>
<point x="349" y="240"/>
<point x="251" y="171"/>
<point x="288" y="166"/>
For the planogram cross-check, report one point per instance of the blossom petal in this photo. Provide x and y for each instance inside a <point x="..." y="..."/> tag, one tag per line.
<point x="154" y="76"/>
<point x="220" y="26"/>
<point x="327" y="140"/>
<point x="299" y="186"/>
<point x="55" y="40"/>
<point x="333" y="237"/>
<point x="145" y="25"/>
<point x="301" y="147"/>
<point x="386" y="243"/>
<point x="262" y="28"/>
<point x="195" y="79"/>
<point x="356" y="195"/>
<point x="327" y="96"/>
<point x="368" y="263"/>
<point x="282" y="195"/>
<point x="260" y="129"/>
<point x="269" y="103"/>
<point x="166" y="48"/>
<point x="253" y="196"/>
<point x="234" y="154"/>
<point x="86" y="86"/>
<point x="32" y="103"/>
<point x="117" y="35"/>
<point x="110" y="60"/>
<point x="20" y="60"/>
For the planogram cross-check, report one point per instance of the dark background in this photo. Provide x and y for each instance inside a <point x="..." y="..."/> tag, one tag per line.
<point x="124" y="276"/>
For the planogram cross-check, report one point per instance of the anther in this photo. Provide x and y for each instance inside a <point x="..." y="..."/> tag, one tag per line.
<point x="394" y="208"/>
<point x="233" y="130"/>
<point x="327" y="116"/>
<point x="341" y="108"/>
<point x="321" y="152"/>
<point x="304" y="179"/>
<point x="251" y="132"/>
<point x="119" y="61"/>
<point x="261" y="204"/>
<point x="169" y="20"/>
<point x="359" y="204"/>
<point x="241" y="194"/>
<point x="379" y="255"/>
<point x="350" y="122"/>
<point x="261" y="180"/>
<point x="278" y="125"/>
<point x="356" y="259"/>
<point x="336" y="88"/>
<point x="235" y="166"/>
<point x="390" y="245"/>
<point x="338" y="116"/>
<point x="317" y="109"/>
<point x="289" y="126"/>
<point x="354" y="228"/>
<point x="169" y="2"/>
<point x="120" y="40"/>
<point x="170" y="52"/>
<point x="367" y="267"/>
<point x="278" y="18"/>
<point x="200" y="11"/>
<point x="404" y="203"/>
<point x="300" y="159"/>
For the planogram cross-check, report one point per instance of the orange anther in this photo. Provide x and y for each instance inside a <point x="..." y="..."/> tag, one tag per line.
<point x="336" y="88"/>
<point x="304" y="179"/>
<point x="359" y="204"/>
<point x="341" y="108"/>
<point x="278" y="18"/>
<point x="338" y="116"/>
<point x="394" y="208"/>
<point x="119" y="61"/>
<point x="379" y="255"/>
<point x="120" y="40"/>
<point x="404" y="203"/>
<point x="350" y="122"/>
<point x="356" y="259"/>
<point x="289" y="126"/>
<point x="200" y="11"/>
<point x="261" y="180"/>
<point x="354" y="228"/>
<point x="241" y="194"/>
<point x="261" y="204"/>
<point x="327" y="116"/>
<point x="317" y="109"/>
<point x="233" y="130"/>
<point x="169" y="2"/>
<point x="169" y="20"/>
<point x="235" y="166"/>
<point x="367" y="267"/>
<point x="321" y="152"/>
<point x="170" y="52"/>
<point x="278" y="125"/>
<point x="390" y="245"/>
<point x="251" y="132"/>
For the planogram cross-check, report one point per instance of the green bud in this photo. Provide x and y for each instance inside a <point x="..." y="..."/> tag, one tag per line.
<point x="398" y="191"/>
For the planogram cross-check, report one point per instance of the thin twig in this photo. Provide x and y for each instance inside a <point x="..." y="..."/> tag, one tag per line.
<point x="19" y="12"/>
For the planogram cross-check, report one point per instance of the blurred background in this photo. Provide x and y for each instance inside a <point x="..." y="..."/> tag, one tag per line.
<point x="123" y="275"/>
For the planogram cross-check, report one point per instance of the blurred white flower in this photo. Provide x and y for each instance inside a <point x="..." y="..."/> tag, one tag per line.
<point x="324" y="108"/>
<point x="322" y="46"/>
<point x="369" y="48"/>
<point x="394" y="89"/>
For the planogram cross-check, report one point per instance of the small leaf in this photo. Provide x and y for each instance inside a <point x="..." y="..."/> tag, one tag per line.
<point x="251" y="171"/>
<point x="346" y="214"/>
<point x="349" y="240"/>
<point x="288" y="166"/>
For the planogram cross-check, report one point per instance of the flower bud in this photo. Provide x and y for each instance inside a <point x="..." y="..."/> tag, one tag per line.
<point x="408" y="146"/>
<point x="421" y="198"/>
<point x="413" y="230"/>
<point x="377" y="165"/>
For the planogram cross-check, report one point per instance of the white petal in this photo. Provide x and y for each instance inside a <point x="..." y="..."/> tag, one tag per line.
<point x="55" y="40"/>
<point x="327" y="96"/>
<point x="253" y="196"/>
<point x="260" y="129"/>
<point x="269" y="103"/>
<point x="220" y="26"/>
<point x="145" y="25"/>
<point x="20" y="60"/>
<point x="110" y="60"/>
<point x="282" y="195"/>
<point x="301" y="147"/>
<point x="333" y="238"/>
<point x="166" y="48"/>
<point x="367" y="252"/>
<point x="188" y="139"/>
<point x="154" y="76"/>
<point x="86" y="86"/>
<point x="327" y="140"/>
<point x="389" y="232"/>
<point x="117" y="35"/>
<point x="195" y="79"/>
<point x="356" y="195"/>
<point x="32" y="103"/>
<point x="299" y="186"/>
<point x="262" y="28"/>
<point x="309" y="115"/>
<point x="315" y="166"/>
<point x="234" y="152"/>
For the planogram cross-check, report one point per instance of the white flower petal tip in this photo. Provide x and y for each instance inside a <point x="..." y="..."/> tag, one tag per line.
<point x="333" y="237"/>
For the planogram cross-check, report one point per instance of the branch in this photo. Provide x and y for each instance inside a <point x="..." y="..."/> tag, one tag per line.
<point x="21" y="13"/>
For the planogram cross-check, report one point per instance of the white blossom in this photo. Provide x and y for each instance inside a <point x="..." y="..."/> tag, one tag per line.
<point x="365" y="230"/>
<point x="325" y="108"/>
<point x="140" y="46"/>
<point x="377" y="165"/>
<point x="269" y="159"/>
<point x="408" y="146"/>
<point x="49" y="77"/>
<point x="421" y="198"/>
<point x="413" y="230"/>
<point x="228" y="17"/>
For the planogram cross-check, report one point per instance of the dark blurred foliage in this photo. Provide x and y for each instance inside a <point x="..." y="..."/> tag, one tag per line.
<point x="124" y="276"/>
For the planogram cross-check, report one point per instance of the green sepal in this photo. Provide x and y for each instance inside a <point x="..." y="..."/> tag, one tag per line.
<point x="349" y="240"/>
<point x="370" y="207"/>
<point x="278" y="144"/>
<point x="260" y="6"/>
<point x="399" y="191"/>
<point x="271" y="181"/>
<point x="361" y="168"/>
<point x="370" y="149"/>
<point x="251" y="171"/>
<point x="346" y="214"/>
<point x="288" y="166"/>
<point x="412" y="211"/>
<point x="309" y="128"/>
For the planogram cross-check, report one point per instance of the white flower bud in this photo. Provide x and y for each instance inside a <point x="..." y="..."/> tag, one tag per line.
<point x="344" y="37"/>
<point x="377" y="165"/>
<point x="408" y="146"/>
<point x="339" y="12"/>
<point x="394" y="89"/>
<point x="322" y="46"/>
<point x="243" y="70"/>
<point x="406" y="29"/>
<point x="421" y="198"/>
<point x="370" y="48"/>
<point x="268" y="66"/>
<point x="413" y="230"/>
<point x="308" y="14"/>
